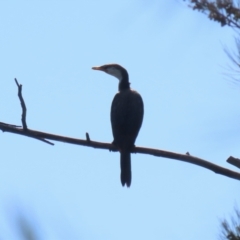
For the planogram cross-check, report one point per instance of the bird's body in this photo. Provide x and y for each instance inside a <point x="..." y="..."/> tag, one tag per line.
<point x="126" y="118"/>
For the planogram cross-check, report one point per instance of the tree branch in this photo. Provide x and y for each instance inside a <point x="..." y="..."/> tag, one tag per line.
<point x="108" y="146"/>
<point x="5" y="127"/>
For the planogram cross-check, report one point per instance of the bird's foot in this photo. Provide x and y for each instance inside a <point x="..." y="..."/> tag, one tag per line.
<point x="133" y="149"/>
<point x="115" y="146"/>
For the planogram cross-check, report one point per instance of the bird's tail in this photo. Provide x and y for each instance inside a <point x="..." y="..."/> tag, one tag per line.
<point x="125" y="163"/>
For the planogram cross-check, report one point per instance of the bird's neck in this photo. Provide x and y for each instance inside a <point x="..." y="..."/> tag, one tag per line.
<point x="124" y="84"/>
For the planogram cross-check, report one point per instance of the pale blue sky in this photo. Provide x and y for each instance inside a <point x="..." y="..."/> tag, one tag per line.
<point x="175" y="59"/>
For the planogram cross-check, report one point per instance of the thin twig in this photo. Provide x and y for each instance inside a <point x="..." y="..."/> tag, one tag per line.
<point x="10" y="125"/>
<point x="24" y="113"/>
<point x="24" y="109"/>
<point x="44" y="140"/>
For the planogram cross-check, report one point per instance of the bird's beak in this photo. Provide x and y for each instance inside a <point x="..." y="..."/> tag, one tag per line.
<point x="98" y="68"/>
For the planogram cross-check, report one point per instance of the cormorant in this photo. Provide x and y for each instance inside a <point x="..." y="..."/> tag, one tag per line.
<point x="126" y="118"/>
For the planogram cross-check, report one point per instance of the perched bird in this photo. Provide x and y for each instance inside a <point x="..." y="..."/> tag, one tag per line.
<point x="126" y="118"/>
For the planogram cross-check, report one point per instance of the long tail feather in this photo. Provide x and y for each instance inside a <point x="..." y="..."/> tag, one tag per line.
<point x="125" y="162"/>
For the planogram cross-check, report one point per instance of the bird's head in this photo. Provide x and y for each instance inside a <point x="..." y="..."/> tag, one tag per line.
<point x="115" y="70"/>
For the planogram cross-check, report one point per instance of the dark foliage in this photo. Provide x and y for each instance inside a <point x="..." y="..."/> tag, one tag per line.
<point x="226" y="12"/>
<point x="231" y="231"/>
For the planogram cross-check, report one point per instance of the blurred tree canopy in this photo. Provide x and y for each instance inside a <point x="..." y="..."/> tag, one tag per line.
<point x="226" y="12"/>
<point x="231" y="230"/>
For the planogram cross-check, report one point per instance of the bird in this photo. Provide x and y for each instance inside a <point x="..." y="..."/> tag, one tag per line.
<point x="126" y="116"/>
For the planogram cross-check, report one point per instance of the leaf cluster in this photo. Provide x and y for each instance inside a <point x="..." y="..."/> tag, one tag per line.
<point x="226" y="12"/>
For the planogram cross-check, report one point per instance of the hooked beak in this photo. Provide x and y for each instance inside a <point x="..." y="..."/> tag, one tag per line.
<point x="98" y="68"/>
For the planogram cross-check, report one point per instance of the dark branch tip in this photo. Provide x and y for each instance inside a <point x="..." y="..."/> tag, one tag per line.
<point x="87" y="137"/>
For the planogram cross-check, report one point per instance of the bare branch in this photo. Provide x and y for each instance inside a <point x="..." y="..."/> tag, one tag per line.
<point x="89" y="143"/>
<point x="108" y="146"/>
<point x="190" y="159"/>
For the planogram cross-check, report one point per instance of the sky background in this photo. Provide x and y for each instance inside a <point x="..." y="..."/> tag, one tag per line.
<point x="175" y="59"/>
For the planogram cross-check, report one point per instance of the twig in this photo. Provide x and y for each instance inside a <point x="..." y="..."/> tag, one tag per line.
<point x="24" y="109"/>
<point x="234" y="161"/>
<point x="24" y="113"/>
<point x="10" y="125"/>
<point x="87" y="137"/>
<point x="44" y="140"/>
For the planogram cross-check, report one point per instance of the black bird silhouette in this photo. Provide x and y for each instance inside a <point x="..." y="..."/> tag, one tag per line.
<point x="126" y="118"/>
